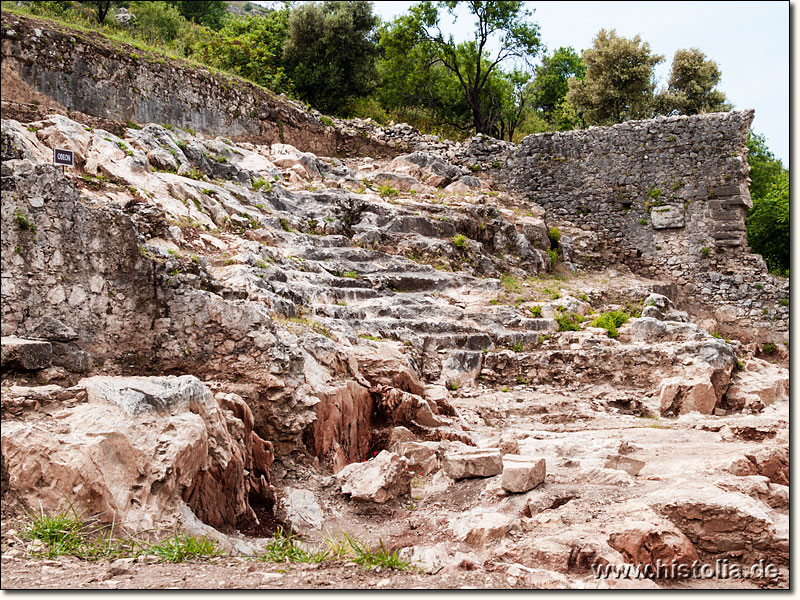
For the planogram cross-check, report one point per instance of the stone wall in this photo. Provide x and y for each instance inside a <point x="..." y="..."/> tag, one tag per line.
<point x="111" y="80"/>
<point x="674" y="192"/>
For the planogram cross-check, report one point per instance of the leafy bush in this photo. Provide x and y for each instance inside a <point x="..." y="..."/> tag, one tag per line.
<point x="536" y="311"/>
<point x="387" y="191"/>
<point x="555" y="236"/>
<point x="568" y="322"/>
<point x="610" y="321"/>
<point x="460" y="240"/>
<point x="769" y="348"/>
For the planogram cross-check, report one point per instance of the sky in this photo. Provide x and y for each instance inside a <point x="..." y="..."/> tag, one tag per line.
<point x="749" y="41"/>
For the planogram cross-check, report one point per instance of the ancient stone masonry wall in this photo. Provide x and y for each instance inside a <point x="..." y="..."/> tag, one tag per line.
<point x="111" y="80"/>
<point x="674" y="191"/>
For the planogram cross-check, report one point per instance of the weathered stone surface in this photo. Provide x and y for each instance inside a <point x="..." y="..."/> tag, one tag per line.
<point x="135" y="452"/>
<point x="421" y="456"/>
<point x="478" y="528"/>
<point x="645" y="543"/>
<point x="379" y="479"/>
<point x="472" y="463"/>
<point x="759" y="385"/>
<point x="522" y="473"/>
<point x="684" y="394"/>
<point x="28" y="355"/>
<point x="717" y="521"/>
<point x="300" y="509"/>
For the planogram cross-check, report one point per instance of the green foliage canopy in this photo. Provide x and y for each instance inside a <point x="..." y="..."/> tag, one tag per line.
<point x="691" y="85"/>
<point x="552" y="80"/>
<point x="467" y="67"/>
<point x="330" y="52"/>
<point x="768" y="225"/>
<point x="619" y="82"/>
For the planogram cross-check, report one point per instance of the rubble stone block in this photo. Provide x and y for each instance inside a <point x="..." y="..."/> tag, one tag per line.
<point x="25" y="354"/>
<point x="522" y="473"/>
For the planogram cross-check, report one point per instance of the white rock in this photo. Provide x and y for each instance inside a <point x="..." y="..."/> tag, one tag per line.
<point x="522" y="473"/>
<point x="472" y="463"/>
<point x="380" y="479"/>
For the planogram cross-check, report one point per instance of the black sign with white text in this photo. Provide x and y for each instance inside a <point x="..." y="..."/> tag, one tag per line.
<point x="63" y="157"/>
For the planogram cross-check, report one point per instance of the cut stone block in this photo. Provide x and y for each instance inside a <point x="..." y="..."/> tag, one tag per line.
<point x="472" y="463"/>
<point x="522" y="473"/>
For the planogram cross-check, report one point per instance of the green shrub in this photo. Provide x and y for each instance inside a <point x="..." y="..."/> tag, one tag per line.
<point x="568" y="322"/>
<point x="705" y="251"/>
<point x="769" y="348"/>
<point x="23" y="221"/>
<point x="610" y="321"/>
<point x="327" y="121"/>
<point x="554" y="233"/>
<point x="387" y="191"/>
<point x="460" y="240"/>
<point x="536" y="311"/>
<point x="655" y="193"/>
<point x="553" y="254"/>
<point x="510" y="283"/>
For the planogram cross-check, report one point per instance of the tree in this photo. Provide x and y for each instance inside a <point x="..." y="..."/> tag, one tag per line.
<point x="205" y="12"/>
<point x="619" y="82"/>
<point x="768" y="220"/>
<point x="691" y="85"/>
<point x="768" y="226"/>
<point x="101" y="8"/>
<point x="330" y="52"/>
<point x="764" y="167"/>
<point x="470" y="64"/>
<point x="551" y="84"/>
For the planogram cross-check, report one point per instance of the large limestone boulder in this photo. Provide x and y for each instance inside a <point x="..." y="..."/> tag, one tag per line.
<point x="137" y="452"/>
<point x="683" y="394"/>
<point x="379" y="479"/>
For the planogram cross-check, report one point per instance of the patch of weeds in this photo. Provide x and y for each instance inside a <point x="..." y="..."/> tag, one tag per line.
<point x="783" y="302"/>
<point x="327" y="121"/>
<point x="18" y="249"/>
<point x="553" y="254"/>
<point x="740" y="364"/>
<point x="518" y="347"/>
<point x="584" y="297"/>
<point x="510" y="284"/>
<point x="522" y="380"/>
<point x="655" y="193"/>
<point x="285" y="224"/>
<point x="677" y="185"/>
<point x="543" y="337"/>
<point x="262" y="184"/>
<point x="452" y="386"/>
<point x="705" y="251"/>
<point x="60" y="534"/>
<point x="643" y="221"/>
<point x="195" y="173"/>
<point x="373" y="338"/>
<point x="287" y="548"/>
<point x="460" y="240"/>
<point x="610" y="321"/>
<point x="494" y="301"/>
<point x="568" y="322"/>
<point x="221" y="159"/>
<point x="387" y="191"/>
<point x="504" y="389"/>
<point x="351" y="274"/>
<point x="769" y="348"/>
<point x="23" y="221"/>
<point x="379" y="557"/>
<point x="182" y="547"/>
<point x="536" y="311"/>
<point x="554" y="294"/>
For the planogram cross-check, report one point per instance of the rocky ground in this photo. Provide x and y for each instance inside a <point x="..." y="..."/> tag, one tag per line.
<point x="396" y="349"/>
